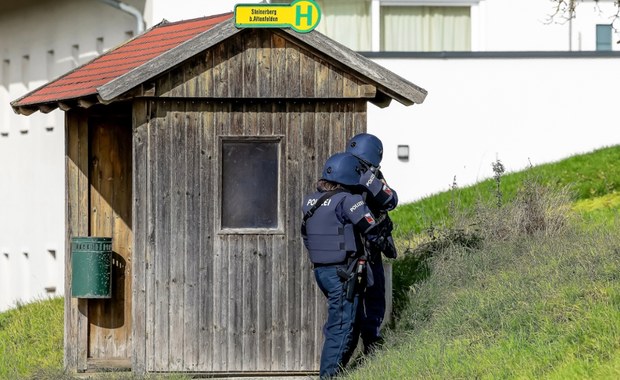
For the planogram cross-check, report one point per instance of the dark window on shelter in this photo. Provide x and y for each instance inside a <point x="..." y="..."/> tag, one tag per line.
<point x="250" y="184"/>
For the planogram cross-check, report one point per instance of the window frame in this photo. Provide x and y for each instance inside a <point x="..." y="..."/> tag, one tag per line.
<point x="279" y="229"/>
<point x="375" y="17"/>
<point x="436" y="42"/>
<point x="608" y="28"/>
<point x="429" y="3"/>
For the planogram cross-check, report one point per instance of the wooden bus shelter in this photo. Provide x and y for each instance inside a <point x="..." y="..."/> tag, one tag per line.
<point x="191" y="146"/>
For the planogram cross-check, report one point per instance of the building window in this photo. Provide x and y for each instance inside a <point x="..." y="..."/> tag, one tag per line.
<point x="423" y="28"/>
<point x="25" y="70"/>
<point x="603" y="37"/>
<point x="50" y="62"/>
<point x="250" y="183"/>
<point x="397" y="25"/>
<point x="347" y="21"/>
<point x="402" y="152"/>
<point x="6" y="73"/>
<point x="75" y="54"/>
<point x="99" y="46"/>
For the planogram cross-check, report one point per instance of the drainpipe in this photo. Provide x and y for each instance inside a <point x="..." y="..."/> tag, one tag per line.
<point x="570" y="31"/>
<point x="128" y="9"/>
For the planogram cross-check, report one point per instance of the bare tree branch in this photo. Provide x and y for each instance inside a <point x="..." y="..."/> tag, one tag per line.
<point x="566" y="10"/>
<point x="563" y="11"/>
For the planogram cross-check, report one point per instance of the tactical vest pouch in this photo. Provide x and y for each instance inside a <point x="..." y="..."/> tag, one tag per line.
<point x="350" y="244"/>
<point x="327" y="257"/>
<point x="328" y="245"/>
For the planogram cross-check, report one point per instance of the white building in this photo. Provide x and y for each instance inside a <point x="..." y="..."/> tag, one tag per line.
<point x="40" y="40"/>
<point x="503" y="83"/>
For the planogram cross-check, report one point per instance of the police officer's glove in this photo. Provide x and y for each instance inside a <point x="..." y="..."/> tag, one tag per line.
<point x="388" y="226"/>
<point x="389" y="249"/>
<point x="376" y="244"/>
<point x="379" y="174"/>
<point x="383" y="244"/>
<point x="381" y="237"/>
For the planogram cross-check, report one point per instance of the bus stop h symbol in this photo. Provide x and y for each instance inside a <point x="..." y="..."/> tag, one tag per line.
<point x="301" y="15"/>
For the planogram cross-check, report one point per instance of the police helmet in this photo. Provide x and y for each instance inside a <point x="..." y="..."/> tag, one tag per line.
<point x="342" y="168"/>
<point x="367" y="148"/>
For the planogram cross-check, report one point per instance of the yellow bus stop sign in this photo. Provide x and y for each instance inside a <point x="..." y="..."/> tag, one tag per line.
<point x="300" y="15"/>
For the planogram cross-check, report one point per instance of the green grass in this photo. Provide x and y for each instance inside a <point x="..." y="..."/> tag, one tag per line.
<point x="31" y="338"/>
<point x="541" y="305"/>
<point x="589" y="176"/>
<point x="531" y="308"/>
<point x="603" y="210"/>
<point x="31" y="345"/>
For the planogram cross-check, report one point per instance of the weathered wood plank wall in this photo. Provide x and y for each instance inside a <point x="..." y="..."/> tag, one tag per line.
<point x="228" y="302"/>
<point x="261" y="64"/>
<point x="110" y="175"/>
<point x="98" y="182"/>
<point x="77" y="210"/>
<point x="204" y="299"/>
<point x="215" y="301"/>
<point x="141" y="224"/>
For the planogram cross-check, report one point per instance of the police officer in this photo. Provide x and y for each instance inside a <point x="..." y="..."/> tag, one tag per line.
<point x="380" y="198"/>
<point x="335" y="222"/>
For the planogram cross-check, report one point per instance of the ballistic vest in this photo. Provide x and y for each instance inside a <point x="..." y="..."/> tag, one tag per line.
<point x="328" y="240"/>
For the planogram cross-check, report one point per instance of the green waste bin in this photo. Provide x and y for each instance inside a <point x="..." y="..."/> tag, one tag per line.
<point x="91" y="267"/>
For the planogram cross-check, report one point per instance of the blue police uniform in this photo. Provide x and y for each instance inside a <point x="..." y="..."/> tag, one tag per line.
<point x="380" y="199"/>
<point x="333" y="239"/>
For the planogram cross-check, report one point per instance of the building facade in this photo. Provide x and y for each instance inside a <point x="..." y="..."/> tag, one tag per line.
<point x="39" y="41"/>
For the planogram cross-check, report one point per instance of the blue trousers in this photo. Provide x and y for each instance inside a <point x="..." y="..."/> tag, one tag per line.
<point x="340" y="330"/>
<point x="373" y="306"/>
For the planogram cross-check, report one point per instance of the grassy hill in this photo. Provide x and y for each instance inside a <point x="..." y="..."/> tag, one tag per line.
<point x="527" y="290"/>
<point x="530" y="307"/>
<point x="589" y="176"/>
<point x="530" y="289"/>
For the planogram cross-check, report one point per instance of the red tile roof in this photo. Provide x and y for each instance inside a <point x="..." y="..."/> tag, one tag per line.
<point x="84" y="80"/>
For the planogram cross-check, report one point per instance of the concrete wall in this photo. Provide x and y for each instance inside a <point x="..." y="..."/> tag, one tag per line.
<point x="519" y="110"/>
<point x="500" y="25"/>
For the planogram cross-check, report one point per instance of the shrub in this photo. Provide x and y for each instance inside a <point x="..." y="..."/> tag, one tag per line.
<point x="537" y="209"/>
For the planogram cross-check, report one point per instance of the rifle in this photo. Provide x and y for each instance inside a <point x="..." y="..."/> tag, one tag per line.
<point x="384" y="241"/>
